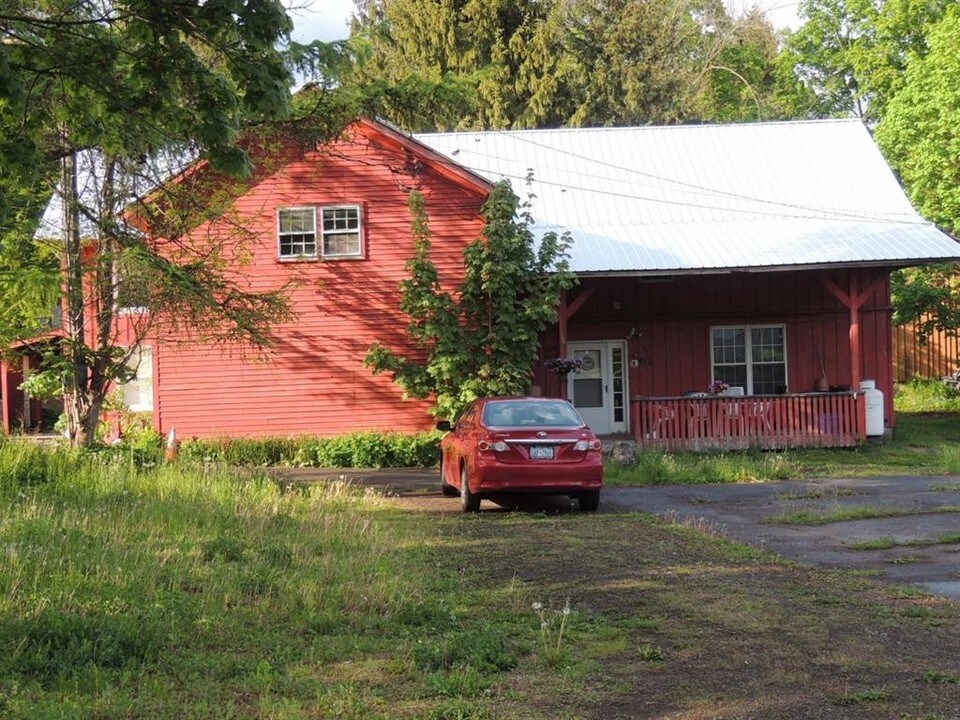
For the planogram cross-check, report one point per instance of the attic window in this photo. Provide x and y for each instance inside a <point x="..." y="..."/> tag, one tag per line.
<point x="341" y="232"/>
<point x="297" y="233"/>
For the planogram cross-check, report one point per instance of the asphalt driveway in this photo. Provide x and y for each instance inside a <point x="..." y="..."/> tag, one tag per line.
<point x="926" y="514"/>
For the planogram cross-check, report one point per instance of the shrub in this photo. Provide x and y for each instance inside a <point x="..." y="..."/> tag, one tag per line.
<point x="360" y="449"/>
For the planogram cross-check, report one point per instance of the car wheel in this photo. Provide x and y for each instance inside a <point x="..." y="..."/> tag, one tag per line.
<point x="469" y="502"/>
<point x="447" y="489"/>
<point x="589" y="500"/>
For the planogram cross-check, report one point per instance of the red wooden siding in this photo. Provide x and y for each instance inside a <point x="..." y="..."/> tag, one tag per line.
<point x="737" y="423"/>
<point x="314" y="381"/>
<point x="667" y="328"/>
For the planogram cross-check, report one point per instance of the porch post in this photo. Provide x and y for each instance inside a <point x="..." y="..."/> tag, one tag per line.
<point x="853" y="300"/>
<point x="5" y="396"/>
<point x="855" y="356"/>
<point x="27" y="405"/>
<point x="564" y="313"/>
<point x="562" y="316"/>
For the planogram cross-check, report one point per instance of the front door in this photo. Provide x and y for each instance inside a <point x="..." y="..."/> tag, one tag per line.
<point x="599" y="388"/>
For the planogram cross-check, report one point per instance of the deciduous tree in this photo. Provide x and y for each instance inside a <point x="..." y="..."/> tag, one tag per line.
<point x="919" y="136"/>
<point x="483" y="338"/>
<point x="93" y="95"/>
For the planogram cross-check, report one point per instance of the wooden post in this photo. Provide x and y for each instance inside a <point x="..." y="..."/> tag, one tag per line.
<point x="5" y="396"/>
<point x="564" y="313"/>
<point x="853" y="300"/>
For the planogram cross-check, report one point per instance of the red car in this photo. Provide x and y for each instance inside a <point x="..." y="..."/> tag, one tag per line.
<point x="504" y="446"/>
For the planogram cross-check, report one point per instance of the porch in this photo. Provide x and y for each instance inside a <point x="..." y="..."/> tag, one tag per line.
<point x="739" y="422"/>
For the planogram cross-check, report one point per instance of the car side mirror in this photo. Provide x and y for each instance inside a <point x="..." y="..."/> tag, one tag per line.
<point x="444" y="426"/>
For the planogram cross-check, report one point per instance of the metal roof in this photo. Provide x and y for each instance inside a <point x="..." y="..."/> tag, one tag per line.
<point x="708" y="198"/>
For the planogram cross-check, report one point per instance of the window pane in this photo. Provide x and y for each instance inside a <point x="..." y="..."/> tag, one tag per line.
<point x="341" y="231"/>
<point x="341" y="219"/>
<point x="769" y="379"/>
<point x="767" y="344"/>
<point x="588" y="392"/>
<point x="731" y="374"/>
<point x="296" y="220"/>
<point x="343" y="244"/>
<point x="729" y="345"/>
<point x="297" y="230"/>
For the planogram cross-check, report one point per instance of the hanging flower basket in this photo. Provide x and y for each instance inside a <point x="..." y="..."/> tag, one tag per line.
<point x="563" y="365"/>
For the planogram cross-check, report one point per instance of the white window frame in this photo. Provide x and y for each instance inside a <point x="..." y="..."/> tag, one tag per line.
<point x="748" y="344"/>
<point x="324" y="233"/>
<point x="290" y="257"/>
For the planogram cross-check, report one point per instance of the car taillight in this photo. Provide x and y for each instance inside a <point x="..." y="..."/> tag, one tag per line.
<point x="584" y="445"/>
<point x="498" y="446"/>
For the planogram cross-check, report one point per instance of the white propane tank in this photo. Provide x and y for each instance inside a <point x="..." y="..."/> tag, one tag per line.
<point x="874" y="403"/>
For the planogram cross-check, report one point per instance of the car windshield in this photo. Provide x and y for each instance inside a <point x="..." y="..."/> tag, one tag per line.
<point x="530" y="413"/>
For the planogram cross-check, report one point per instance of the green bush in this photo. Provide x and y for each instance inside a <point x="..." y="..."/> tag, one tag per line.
<point x="360" y="449"/>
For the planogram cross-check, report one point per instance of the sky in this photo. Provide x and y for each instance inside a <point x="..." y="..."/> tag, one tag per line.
<point x="327" y="19"/>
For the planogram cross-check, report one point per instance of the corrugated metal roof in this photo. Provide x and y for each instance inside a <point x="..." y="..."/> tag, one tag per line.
<point x="701" y="198"/>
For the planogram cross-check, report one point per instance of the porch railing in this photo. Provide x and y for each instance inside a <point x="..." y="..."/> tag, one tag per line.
<point x="761" y="421"/>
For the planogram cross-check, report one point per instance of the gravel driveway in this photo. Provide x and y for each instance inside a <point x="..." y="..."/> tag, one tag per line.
<point x="927" y="513"/>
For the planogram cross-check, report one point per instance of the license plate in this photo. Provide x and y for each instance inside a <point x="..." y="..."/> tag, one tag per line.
<point x="541" y="452"/>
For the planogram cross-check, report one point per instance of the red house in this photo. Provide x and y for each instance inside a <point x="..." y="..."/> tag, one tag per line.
<point x="757" y="256"/>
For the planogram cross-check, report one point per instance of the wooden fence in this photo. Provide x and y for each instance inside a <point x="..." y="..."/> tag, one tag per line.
<point x="933" y="359"/>
<point x="738" y="423"/>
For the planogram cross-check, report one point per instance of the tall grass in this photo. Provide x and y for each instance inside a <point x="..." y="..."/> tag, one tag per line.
<point x="190" y="592"/>
<point x="659" y="467"/>
<point x="923" y="395"/>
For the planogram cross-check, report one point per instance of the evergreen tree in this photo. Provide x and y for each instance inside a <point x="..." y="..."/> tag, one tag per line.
<point x="577" y="62"/>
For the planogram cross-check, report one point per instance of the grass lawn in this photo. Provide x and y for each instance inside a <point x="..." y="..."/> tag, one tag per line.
<point x="196" y="593"/>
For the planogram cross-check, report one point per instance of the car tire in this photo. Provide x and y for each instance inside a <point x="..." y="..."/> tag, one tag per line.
<point x="447" y="489"/>
<point x="589" y="500"/>
<point x="469" y="502"/>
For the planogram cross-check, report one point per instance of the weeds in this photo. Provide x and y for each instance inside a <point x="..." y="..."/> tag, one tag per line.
<point x="551" y="638"/>
<point x="863" y="512"/>
<point x="884" y="543"/>
<point x="888" y="543"/>
<point x="651" y="653"/>
<point x="945" y="487"/>
<point x="864" y="696"/>
<point x="938" y="677"/>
